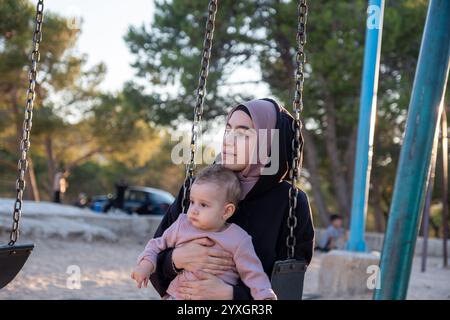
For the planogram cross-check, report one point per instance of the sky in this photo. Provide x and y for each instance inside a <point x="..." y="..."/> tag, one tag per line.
<point x="104" y="23"/>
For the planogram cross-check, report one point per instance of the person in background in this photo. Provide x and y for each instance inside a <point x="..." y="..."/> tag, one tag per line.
<point x="334" y="236"/>
<point x="82" y="201"/>
<point x="121" y="187"/>
<point x="59" y="186"/>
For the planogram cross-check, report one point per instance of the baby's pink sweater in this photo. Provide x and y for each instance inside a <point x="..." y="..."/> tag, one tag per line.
<point x="233" y="239"/>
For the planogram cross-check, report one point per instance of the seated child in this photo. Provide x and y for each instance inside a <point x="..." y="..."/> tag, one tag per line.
<point x="213" y="199"/>
<point x="334" y="236"/>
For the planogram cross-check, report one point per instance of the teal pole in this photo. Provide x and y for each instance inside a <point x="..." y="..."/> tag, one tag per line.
<point x="410" y="183"/>
<point x="366" y="125"/>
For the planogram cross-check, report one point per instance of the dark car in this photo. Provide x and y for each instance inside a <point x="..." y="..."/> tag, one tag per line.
<point x="146" y="200"/>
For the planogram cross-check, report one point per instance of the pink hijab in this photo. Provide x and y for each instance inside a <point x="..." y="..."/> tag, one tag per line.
<point x="264" y="116"/>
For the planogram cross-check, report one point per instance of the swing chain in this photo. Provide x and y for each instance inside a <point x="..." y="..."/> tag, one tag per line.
<point x="201" y="92"/>
<point x="297" y="141"/>
<point x="25" y="141"/>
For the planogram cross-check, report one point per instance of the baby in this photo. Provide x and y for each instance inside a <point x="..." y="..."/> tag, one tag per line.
<point x="213" y="199"/>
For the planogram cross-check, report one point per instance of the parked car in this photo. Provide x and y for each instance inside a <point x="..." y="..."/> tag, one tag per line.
<point x="140" y="200"/>
<point x="99" y="203"/>
<point x="146" y="200"/>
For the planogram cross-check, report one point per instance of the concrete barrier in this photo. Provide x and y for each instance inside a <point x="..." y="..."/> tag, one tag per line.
<point x="50" y="220"/>
<point x="374" y="242"/>
<point x="347" y="274"/>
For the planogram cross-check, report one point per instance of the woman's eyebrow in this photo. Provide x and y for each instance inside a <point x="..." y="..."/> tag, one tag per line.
<point x="238" y="127"/>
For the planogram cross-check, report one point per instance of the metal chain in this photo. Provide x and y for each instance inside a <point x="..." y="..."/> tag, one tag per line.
<point x="25" y="141"/>
<point x="201" y="92"/>
<point x="297" y="141"/>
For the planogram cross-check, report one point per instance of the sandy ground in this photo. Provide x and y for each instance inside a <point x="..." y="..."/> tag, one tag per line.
<point x="105" y="274"/>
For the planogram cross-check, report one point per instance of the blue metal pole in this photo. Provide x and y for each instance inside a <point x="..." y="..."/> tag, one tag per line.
<point x="410" y="183"/>
<point x="367" y="115"/>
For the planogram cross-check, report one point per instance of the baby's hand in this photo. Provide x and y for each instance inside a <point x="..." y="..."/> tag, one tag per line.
<point x="142" y="272"/>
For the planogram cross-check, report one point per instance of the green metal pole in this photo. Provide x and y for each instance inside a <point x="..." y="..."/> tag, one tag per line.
<point x="410" y="183"/>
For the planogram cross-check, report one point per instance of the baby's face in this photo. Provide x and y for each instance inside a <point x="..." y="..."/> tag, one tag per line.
<point x="207" y="206"/>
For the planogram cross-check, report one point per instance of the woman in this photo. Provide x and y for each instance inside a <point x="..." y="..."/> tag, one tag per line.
<point x="262" y="211"/>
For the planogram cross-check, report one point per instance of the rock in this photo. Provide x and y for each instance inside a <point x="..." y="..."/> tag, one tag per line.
<point x="345" y="273"/>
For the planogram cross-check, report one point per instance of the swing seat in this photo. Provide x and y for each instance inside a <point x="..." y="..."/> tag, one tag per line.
<point x="287" y="279"/>
<point x="12" y="259"/>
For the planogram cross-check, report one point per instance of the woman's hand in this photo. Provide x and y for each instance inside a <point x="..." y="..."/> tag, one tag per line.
<point x="198" y="255"/>
<point x="207" y="287"/>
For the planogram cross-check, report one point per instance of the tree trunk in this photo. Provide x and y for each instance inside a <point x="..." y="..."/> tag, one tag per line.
<point x="50" y="163"/>
<point x="32" y="191"/>
<point x="376" y="203"/>
<point x="311" y="160"/>
<point x="33" y="182"/>
<point x="337" y="174"/>
<point x="350" y="155"/>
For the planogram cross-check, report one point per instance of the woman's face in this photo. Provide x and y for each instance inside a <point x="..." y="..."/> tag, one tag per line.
<point x="239" y="141"/>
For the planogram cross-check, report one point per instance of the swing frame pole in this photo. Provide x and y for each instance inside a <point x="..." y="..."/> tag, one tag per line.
<point x="412" y="173"/>
<point x="428" y="198"/>
<point x="366" y="125"/>
<point x="444" y="143"/>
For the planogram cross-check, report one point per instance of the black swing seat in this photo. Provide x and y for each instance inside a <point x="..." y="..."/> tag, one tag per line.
<point x="287" y="279"/>
<point x="12" y="259"/>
